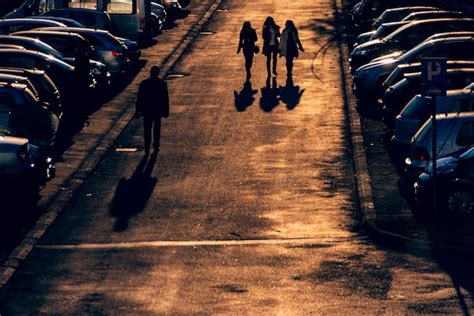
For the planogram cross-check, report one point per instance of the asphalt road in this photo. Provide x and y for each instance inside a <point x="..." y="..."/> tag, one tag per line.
<point x="249" y="207"/>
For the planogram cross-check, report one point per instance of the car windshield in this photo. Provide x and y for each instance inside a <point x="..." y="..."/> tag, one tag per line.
<point x="418" y="107"/>
<point x="412" y="53"/>
<point x="45" y="48"/>
<point x="423" y="132"/>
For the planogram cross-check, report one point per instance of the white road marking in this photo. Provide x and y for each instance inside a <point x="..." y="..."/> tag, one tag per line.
<point x="199" y="243"/>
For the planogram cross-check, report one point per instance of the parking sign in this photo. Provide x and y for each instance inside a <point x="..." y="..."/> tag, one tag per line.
<point x="433" y="77"/>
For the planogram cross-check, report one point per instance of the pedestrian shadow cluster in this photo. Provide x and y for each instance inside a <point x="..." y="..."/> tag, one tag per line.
<point x="272" y="94"/>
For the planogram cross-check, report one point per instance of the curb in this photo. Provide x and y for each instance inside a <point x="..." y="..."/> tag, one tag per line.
<point x="21" y="252"/>
<point x="362" y="177"/>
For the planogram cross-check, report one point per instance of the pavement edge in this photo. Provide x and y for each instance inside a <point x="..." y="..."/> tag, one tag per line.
<point x="20" y="253"/>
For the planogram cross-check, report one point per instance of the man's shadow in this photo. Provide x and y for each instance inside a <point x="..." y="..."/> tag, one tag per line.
<point x="270" y="94"/>
<point x="132" y="195"/>
<point x="245" y="97"/>
<point x="290" y="94"/>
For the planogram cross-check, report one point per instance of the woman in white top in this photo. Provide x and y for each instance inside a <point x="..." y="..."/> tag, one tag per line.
<point x="270" y="34"/>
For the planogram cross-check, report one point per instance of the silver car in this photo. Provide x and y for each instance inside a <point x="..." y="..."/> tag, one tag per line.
<point x="109" y="49"/>
<point x="454" y="132"/>
<point x="418" y="110"/>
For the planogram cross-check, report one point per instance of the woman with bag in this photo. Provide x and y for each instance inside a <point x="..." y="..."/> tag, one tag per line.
<point x="289" y="46"/>
<point x="248" y="37"/>
<point x="270" y="35"/>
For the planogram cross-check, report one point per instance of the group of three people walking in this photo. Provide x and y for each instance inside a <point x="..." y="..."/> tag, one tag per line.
<point x="286" y="43"/>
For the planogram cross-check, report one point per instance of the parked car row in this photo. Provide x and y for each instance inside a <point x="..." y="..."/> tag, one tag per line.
<point x="386" y="66"/>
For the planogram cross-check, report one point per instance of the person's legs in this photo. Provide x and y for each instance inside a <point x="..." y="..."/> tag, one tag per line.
<point x="275" y="55"/>
<point x="248" y="64"/>
<point x="289" y="66"/>
<point x="147" y="126"/>
<point x="269" y="60"/>
<point x="156" y="134"/>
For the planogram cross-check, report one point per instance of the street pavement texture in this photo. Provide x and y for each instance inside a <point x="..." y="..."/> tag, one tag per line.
<point x="248" y="208"/>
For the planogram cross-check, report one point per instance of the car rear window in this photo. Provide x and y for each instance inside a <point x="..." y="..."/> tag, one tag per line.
<point x="423" y="132"/>
<point x="418" y="107"/>
<point x="466" y="134"/>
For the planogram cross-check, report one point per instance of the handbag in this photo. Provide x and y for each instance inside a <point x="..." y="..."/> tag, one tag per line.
<point x="256" y="49"/>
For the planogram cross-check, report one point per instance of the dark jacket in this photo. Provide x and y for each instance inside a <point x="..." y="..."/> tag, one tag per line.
<point x="267" y="36"/>
<point x="247" y="41"/>
<point x="152" y="98"/>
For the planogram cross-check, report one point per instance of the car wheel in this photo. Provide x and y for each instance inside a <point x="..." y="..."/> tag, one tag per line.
<point x="460" y="202"/>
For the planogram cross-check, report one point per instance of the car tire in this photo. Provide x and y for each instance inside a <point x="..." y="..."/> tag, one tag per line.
<point x="459" y="201"/>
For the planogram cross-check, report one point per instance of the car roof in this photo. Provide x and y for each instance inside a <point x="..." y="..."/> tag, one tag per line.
<point x="75" y="30"/>
<point x="28" y="20"/>
<point x="57" y="19"/>
<point x="409" y="8"/>
<point x="22" y="70"/>
<point x="449" y="71"/>
<point x="10" y="87"/>
<point x="20" y="38"/>
<point x="454" y="116"/>
<point x="450" y="40"/>
<point x="11" y="46"/>
<point x="41" y="31"/>
<point x="9" y="77"/>
<point x="91" y="11"/>
<point x="430" y="21"/>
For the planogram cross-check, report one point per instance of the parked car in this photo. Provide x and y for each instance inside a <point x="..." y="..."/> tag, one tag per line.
<point x="23" y="115"/>
<point x="45" y="87"/>
<point x="170" y="6"/>
<point x="398" y="95"/>
<point x="398" y="14"/>
<point x="454" y="132"/>
<point x="369" y="78"/>
<point x="450" y="34"/>
<point x="23" y="165"/>
<point x="399" y="72"/>
<point x="89" y="18"/>
<point x="382" y="31"/>
<point x="435" y="14"/>
<point x="418" y="110"/>
<point x="98" y="70"/>
<point x="10" y="78"/>
<point x="15" y="25"/>
<point x="406" y="37"/>
<point x="65" y="21"/>
<point x="454" y="183"/>
<point x="61" y="73"/>
<point x="109" y="49"/>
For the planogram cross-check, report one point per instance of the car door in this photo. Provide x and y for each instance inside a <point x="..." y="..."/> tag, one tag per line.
<point x="463" y="137"/>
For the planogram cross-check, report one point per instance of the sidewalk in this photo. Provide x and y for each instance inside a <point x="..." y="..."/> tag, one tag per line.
<point x="386" y="205"/>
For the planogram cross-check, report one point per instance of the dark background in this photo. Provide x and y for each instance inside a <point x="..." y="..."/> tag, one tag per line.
<point x="8" y="5"/>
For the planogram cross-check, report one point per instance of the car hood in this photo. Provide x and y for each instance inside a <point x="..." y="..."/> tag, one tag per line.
<point x="368" y="45"/>
<point x="377" y="64"/>
<point x="391" y="55"/>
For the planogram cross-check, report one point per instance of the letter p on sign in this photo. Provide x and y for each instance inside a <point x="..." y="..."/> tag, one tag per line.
<point x="433" y="77"/>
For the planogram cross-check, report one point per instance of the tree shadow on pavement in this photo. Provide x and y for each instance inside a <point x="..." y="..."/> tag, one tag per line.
<point x="270" y="95"/>
<point x="291" y="94"/>
<point x="170" y="22"/>
<point x="132" y="195"/>
<point x="245" y="97"/>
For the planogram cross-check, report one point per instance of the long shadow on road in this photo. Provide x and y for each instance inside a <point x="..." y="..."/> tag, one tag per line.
<point x="132" y="195"/>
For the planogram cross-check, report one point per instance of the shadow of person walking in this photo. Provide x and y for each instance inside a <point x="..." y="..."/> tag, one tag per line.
<point x="290" y="94"/>
<point x="132" y="195"/>
<point x="245" y="97"/>
<point x="270" y="93"/>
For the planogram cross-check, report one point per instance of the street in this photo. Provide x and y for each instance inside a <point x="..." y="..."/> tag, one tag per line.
<point x="250" y="207"/>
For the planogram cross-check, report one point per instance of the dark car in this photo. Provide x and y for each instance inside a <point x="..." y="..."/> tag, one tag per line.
<point x="61" y="73"/>
<point x="454" y="183"/>
<point x="398" y="95"/>
<point x="109" y="50"/>
<point x="89" y="18"/>
<point x="15" y="25"/>
<point x="399" y="72"/>
<point x="369" y="78"/>
<point x="398" y="14"/>
<point x="45" y="87"/>
<point x="406" y="37"/>
<point x="436" y="14"/>
<point x="382" y="31"/>
<point x="98" y="70"/>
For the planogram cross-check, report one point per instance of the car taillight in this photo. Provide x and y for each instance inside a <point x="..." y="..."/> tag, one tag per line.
<point x="23" y="153"/>
<point x="116" y="53"/>
<point x="422" y="154"/>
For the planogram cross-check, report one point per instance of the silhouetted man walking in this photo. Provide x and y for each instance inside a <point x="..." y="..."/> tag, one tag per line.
<point x="153" y="104"/>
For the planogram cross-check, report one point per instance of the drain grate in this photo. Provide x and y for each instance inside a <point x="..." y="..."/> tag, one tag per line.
<point x="172" y="75"/>
<point x="208" y="33"/>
